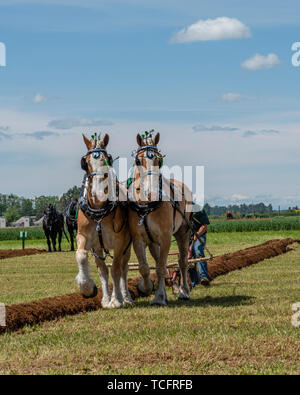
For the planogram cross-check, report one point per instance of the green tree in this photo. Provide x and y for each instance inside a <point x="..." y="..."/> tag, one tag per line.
<point x="11" y="214"/>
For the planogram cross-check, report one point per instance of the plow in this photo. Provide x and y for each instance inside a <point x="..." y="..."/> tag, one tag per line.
<point x="48" y="309"/>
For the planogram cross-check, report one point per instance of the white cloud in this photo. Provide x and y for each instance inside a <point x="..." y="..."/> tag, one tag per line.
<point x="214" y="128"/>
<point x="38" y="98"/>
<point x="237" y="196"/>
<point x="70" y="123"/>
<point x="258" y="62"/>
<point x="222" y="28"/>
<point x="232" y="97"/>
<point x="264" y="132"/>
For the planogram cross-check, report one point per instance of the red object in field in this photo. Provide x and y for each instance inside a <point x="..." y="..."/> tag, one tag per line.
<point x="173" y="253"/>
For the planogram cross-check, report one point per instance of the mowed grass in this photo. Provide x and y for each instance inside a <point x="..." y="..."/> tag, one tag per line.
<point x="239" y="325"/>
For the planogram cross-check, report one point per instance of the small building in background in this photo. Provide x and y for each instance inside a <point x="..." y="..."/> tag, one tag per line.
<point x="23" y="221"/>
<point x="39" y="222"/>
<point x="2" y="222"/>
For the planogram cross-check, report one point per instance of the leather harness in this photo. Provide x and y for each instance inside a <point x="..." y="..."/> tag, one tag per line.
<point x="98" y="214"/>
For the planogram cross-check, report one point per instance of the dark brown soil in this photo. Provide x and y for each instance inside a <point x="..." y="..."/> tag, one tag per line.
<point x="19" y="315"/>
<point x="16" y="253"/>
<point x="226" y="263"/>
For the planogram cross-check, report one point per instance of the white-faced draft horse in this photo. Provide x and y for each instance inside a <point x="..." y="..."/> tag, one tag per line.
<point x="159" y="208"/>
<point x="102" y="226"/>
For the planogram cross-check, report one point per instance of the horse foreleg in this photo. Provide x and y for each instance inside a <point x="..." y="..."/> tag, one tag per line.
<point x="116" y="297"/>
<point x="183" y="246"/>
<point x="71" y="233"/>
<point x="53" y="238"/>
<point x="87" y="286"/>
<point x="59" y="240"/>
<point x="160" y="297"/>
<point x="104" y="277"/>
<point x="124" y="281"/>
<point x="48" y="242"/>
<point x="145" y="285"/>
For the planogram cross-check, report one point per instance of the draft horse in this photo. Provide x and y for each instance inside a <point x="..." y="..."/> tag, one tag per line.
<point x="159" y="208"/>
<point x="71" y="220"/>
<point x="102" y="226"/>
<point x="53" y="225"/>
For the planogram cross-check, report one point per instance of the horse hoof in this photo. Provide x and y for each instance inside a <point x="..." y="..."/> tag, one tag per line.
<point x="183" y="297"/>
<point x="161" y="303"/>
<point x="105" y="303"/>
<point x="114" y="304"/>
<point x="95" y="292"/>
<point x="127" y="302"/>
<point x="144" y="292"/>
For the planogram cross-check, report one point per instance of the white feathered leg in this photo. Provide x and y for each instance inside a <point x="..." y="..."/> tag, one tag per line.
<point x="87" y="286"/>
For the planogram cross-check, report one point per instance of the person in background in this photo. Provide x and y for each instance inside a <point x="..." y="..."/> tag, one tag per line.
<point x="199" y="222"/>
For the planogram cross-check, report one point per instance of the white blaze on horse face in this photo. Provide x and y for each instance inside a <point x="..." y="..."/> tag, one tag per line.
<point x="149" y="182"/>
<point x="99" y="189"/>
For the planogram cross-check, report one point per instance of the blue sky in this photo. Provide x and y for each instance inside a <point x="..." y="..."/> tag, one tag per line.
<point x="127" y="66"/>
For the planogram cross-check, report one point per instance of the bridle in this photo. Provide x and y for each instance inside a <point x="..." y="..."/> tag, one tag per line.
<point x="98" y="214"/>
<point x="96" y="154"/>
<point x="151" y="151"/>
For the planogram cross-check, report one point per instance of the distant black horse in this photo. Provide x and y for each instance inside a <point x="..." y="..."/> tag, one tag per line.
<point x="71" y="220"/>
<point x="53" y="224"/>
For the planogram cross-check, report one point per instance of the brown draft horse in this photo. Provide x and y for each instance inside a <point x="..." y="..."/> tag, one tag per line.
<point x="101" y="205"/>
<point x="153" y="219"/>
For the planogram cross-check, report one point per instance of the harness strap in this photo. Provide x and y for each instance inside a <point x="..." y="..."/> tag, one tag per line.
<point x="148" y="230"/>
<point x="128" y="245"/>
<point x="100" y="236"/>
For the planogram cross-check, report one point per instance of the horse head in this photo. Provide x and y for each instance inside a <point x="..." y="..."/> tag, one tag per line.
<point x="97" y="163"/>
<point x="50" y="215"/>
<point x="148" y="161"/>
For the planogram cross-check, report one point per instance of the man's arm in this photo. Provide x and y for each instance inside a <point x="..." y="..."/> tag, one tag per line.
<point x="201" y="231"/>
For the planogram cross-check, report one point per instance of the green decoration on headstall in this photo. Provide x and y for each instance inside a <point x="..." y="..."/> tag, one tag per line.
<point x="160" y="160"/>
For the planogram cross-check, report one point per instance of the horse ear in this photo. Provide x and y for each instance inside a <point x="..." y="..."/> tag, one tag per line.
<point x="105" y="141"/>
<point x="156" y="139"/>
<point x="139" y="139"/>
<point x="87" y="142"/>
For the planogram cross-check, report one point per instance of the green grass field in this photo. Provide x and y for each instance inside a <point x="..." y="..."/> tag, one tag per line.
<point x="241" y="324"/>
<point x="279" y="223"/>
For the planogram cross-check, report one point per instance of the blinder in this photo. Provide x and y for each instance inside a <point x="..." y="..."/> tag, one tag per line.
<point x="96" y="155"/>
<point x="151" y="152"/>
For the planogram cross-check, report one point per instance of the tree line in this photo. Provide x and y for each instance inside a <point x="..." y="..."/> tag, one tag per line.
<point x="242" y="209"/>
<point x="13" y="207"/>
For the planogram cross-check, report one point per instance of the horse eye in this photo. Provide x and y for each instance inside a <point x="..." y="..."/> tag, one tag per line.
<point x="150" y="155"/>
<point x="96" y="155"/>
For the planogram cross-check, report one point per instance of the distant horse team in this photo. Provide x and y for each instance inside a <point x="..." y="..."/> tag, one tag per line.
<point x="146" y="213"/>
<point x="53" y="225"/>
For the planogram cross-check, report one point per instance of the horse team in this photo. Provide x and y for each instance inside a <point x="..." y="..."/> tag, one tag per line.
<point x="53" y="225"/>
<point x="112" y="217"/>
